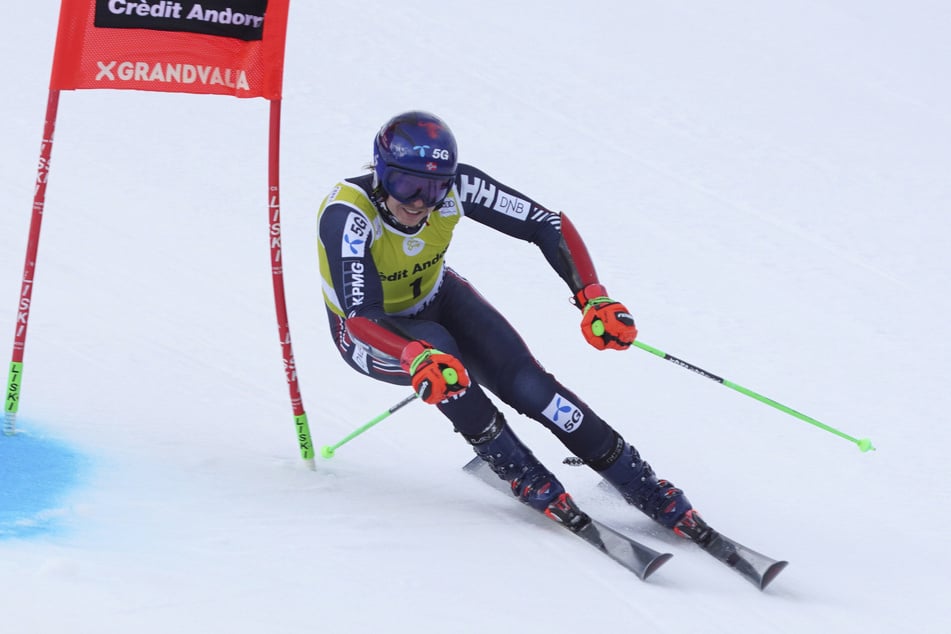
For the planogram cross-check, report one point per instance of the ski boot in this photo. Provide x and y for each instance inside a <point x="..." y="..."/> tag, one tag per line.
<point x="635" y="479"/>
<point x="512" y="461"/>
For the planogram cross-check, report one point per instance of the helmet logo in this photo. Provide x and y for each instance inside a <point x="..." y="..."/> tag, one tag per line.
<point x="431" y="166"/>
<point x="432" y="128"/>
<point x="421" y="149"/>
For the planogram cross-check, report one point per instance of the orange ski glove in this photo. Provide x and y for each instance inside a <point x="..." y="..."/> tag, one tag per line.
<point x="605" y="323"/>
<point x="436" y="376"/>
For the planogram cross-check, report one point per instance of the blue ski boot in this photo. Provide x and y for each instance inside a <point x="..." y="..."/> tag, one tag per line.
<point x="635" y="479"/>
<point x="512" y="461"/>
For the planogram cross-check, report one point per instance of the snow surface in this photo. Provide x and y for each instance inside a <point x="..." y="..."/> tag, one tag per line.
<point x="765" y="184"/>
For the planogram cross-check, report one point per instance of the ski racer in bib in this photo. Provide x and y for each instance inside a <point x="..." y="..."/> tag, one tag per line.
<point x="399" y="314"/>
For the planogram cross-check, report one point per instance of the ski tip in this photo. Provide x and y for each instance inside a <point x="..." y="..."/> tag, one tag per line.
<point x="655" y="563"/>
<point x="771" y="573"/>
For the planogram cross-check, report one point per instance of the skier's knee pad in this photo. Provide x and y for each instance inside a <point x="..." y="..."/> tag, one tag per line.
<point x="523" y="384"/>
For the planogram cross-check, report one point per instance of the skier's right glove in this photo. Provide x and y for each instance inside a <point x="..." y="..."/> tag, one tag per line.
<point x="436" y="376"/>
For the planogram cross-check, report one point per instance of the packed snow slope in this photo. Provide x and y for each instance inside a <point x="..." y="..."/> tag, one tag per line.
<point x="764" y="184"/>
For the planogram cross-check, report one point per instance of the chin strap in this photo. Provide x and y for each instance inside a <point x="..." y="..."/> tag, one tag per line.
<point x="378" y="196"/>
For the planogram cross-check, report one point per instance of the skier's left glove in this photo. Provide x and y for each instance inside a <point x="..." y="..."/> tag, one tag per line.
<point x="605" y="323"/>
<point x="436" y="376"/>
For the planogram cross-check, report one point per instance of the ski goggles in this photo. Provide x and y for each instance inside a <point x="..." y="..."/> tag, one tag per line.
<point x="408" y="187"/>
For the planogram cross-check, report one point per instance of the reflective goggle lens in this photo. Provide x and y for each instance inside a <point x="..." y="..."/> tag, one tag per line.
<point x="406" y="187"/>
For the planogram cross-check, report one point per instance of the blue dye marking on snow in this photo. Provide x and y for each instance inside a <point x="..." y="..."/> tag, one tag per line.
<point x="36" y="474"/>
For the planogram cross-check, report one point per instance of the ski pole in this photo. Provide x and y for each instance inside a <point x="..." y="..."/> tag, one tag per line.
<point x="327" y="451"/>
<point x="864" y="444"/>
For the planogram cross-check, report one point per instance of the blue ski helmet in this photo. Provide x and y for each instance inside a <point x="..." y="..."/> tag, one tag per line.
<point x="415" y="158"/>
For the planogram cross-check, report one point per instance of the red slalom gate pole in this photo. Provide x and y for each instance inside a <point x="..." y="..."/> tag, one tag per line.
<point x="14" y="381"/>
<point x="277" y="277"/>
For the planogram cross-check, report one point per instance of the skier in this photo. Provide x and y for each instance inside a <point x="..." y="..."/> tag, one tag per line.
<point x="399" y="314"/>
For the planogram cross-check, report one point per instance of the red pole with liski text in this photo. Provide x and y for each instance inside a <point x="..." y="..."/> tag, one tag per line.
<point x="277" y="277"/>
<point x="14" y="382"/>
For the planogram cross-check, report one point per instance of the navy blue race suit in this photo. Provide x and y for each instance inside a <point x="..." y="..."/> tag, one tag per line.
<point x="384" y="287"/>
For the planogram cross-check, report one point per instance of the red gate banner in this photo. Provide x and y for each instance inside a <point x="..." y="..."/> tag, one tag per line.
<point x="221" y="47"/>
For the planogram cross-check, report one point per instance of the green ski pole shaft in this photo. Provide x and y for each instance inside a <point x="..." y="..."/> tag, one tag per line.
<point x="327" y="451"/>
<point x="864" y="444"/>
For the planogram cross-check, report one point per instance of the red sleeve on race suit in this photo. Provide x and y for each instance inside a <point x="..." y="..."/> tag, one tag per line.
<point x="377" y="336"/>
<point x="575" y="254"/>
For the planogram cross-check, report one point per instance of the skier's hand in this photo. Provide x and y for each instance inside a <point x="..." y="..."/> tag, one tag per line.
<point x="605" y="323"/>
<point x="436" y="376"/>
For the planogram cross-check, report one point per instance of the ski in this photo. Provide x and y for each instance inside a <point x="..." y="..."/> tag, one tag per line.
<point x="755" y="567"/>
<point x="640" y="559"/>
